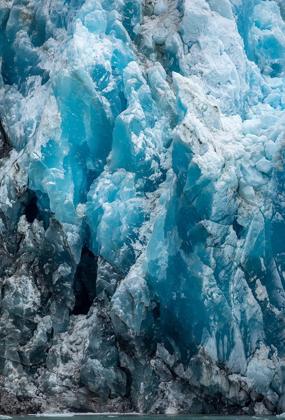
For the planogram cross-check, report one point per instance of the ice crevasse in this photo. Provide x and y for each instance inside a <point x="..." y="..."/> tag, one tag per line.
<point x="142" y="232"/>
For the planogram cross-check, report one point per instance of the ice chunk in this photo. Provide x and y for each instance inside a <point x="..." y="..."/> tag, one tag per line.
<point x="246" y="191"/>
<point x="223" y="7"/>
<point x="159" y="36"/>
<point x="270" y="149"/>
<point x="252" y="127"/>
<point x="160" y="7"/>
<point x="195" y="20"/>
<point x="263" y="165"/>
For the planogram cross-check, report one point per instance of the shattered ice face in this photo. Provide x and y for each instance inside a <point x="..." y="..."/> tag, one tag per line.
<point x="142" y="204"/>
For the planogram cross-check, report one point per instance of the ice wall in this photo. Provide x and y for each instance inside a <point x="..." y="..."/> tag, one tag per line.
<point x="142" y="206"/>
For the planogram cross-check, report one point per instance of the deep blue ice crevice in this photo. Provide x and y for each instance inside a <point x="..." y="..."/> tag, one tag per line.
<point x="262" y="28"/>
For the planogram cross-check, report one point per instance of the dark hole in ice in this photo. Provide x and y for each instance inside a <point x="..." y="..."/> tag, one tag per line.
<point x="45" y="77"/>
<point x="276" y="70"/>
<point x="84" y="285"/>
<point x="83" y="301"/>
<point x="238" y="229"/>
<point x="5" y="146"/>
<point x="123" y="100"/>
<point x="129" y="381"/>
<point x="32" y="211"/>
<point x="156" y="311"/>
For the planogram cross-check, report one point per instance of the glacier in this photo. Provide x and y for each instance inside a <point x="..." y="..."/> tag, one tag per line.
<point x="142" y="231"/>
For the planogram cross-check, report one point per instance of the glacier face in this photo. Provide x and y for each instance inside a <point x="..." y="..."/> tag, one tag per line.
<point x="142" y="206"/>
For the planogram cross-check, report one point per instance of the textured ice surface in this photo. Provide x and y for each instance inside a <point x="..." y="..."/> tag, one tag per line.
<point x="142" y="206"/>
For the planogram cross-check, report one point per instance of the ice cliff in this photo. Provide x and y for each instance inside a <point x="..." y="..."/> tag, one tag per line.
<point x="142" y="231"/>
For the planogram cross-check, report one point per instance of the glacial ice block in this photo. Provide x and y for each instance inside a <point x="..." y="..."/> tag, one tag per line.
<point x="142" y="206"/>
